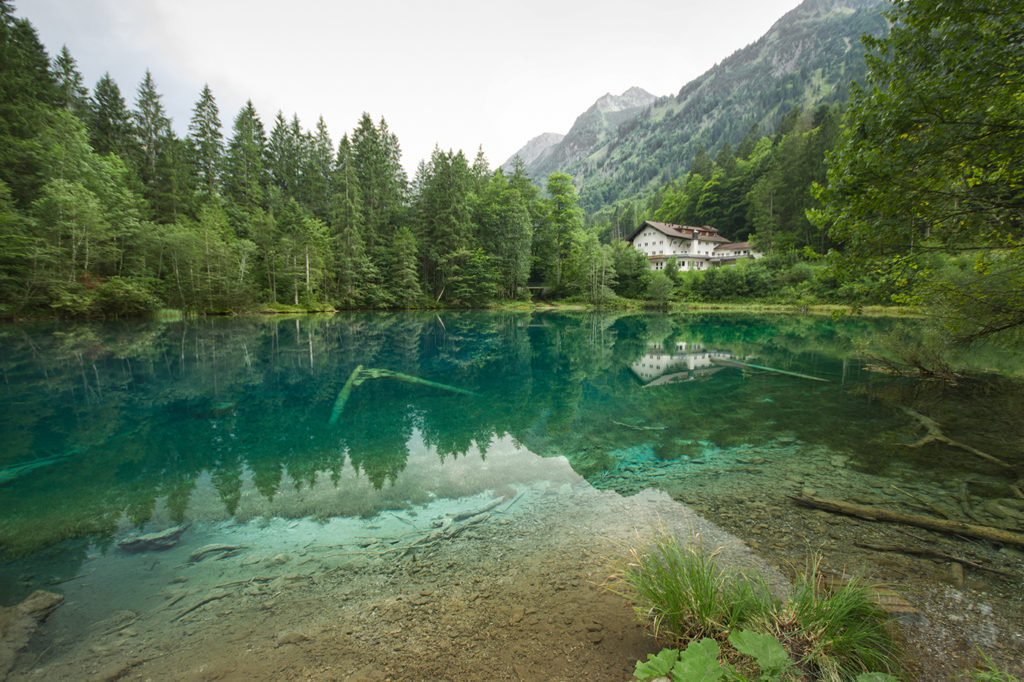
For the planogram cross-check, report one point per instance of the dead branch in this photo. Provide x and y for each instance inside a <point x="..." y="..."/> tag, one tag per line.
<point x="871" y="513"/>
<point x="934" y="434"/>
<point x="931" y="553"/>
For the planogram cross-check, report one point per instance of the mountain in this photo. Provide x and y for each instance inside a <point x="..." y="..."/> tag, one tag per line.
<point x="593" y="127"/>
<point x="807" y="58"/>
<point x="535" y="148"/>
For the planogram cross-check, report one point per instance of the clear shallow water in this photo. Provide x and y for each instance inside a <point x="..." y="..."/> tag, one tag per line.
<point x="106" y="424"/>
<point x="114" y="429"/>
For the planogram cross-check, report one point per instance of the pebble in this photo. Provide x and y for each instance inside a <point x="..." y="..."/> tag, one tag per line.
<point x="291" y="637"/>
<point x="111" y="673"/>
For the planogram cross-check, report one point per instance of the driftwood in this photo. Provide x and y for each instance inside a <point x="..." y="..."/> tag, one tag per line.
<point x="213" y="596"/>
<point x="933" y="554"/>
<point x="339" y="402"/>
<point x="935" y="435"/>
<point x="359" y="375"/>
<point x="638" y="427"/>
<point x="935" y="508"/>
<point x="767" y="369"/>
<point x="871" y="513"/>
<point x="224" y="551"/>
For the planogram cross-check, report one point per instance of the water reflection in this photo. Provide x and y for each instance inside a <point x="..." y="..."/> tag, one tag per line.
<point x="107" y="425"/>
<point x="686" y="361"/>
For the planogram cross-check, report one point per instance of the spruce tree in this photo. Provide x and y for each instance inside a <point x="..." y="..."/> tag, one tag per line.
<point x="315" y="172"/>
<point x="206" y="145"/>
<point x="153" y="133"/>
<point x="110" y="122"/>
<point x="403" y="271"/>
<point x="244" y="175"/>
<point x="74" y="96"/>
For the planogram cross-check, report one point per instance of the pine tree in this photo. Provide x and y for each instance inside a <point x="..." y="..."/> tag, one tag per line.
<point x="153" y="133"/>
<point x="110" y="122"/>
<point x="403" y="271"/>
<point x="316" y="168"/>
<point x="244" y="175"/>
<point x="564" y="215"/>
<point x="27" y="93"/>
<point x="206" y="143"/>
<point x="74" y="96"/>
<point x="283" y="156"/>
<point x="376" y="159"/>
<point x="444" y="216"/>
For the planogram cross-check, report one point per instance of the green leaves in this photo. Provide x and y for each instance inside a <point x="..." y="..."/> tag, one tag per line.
<point x="698" y="663"/>
<point x="657" y="666"/>
<point x="770" y="655"/>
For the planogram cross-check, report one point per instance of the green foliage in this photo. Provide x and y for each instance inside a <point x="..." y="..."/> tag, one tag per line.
<point x="683" y="595"/>
<point x="769" y="654"/>
<point x="930" y="160"/>
<point x="843" y="629"/>
<point x="991" y="673"/>
<point x="698" y="663"/>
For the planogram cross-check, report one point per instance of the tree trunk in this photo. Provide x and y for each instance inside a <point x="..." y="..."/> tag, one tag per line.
<point x="870" y="513"/>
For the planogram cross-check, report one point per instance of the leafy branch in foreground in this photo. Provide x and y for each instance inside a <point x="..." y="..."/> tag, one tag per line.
<point x="681" y="593"/>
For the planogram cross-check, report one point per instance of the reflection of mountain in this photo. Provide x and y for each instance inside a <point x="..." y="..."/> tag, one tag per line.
<point x="684" y="361"/>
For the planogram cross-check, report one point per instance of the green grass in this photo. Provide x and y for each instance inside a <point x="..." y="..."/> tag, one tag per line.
<point x="682" y="594"/>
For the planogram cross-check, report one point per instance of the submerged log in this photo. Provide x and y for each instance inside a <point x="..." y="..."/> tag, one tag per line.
<point x="934" y="434"/>
<point x="339" y="402"/>
<point x="398" y="376"/>
<point x="932" y="554"/>
<point x="359" y="375"/>
<point x="870" y="513"/>
<point x="728" y="363"/>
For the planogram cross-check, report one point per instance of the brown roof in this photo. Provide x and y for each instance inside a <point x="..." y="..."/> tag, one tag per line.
<point x="705" y="232"/>
<point x="734" y="246"/>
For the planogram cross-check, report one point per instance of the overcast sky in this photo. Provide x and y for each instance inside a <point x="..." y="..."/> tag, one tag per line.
<point x="456" y="73"/>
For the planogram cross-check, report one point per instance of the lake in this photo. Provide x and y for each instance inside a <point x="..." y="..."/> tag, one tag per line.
<point x="428" y="496"/>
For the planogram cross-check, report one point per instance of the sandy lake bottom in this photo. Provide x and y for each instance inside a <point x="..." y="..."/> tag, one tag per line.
<point x="503" y="582"/>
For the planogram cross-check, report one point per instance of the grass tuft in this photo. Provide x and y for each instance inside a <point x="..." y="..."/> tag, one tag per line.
<point x="682" y="595"/>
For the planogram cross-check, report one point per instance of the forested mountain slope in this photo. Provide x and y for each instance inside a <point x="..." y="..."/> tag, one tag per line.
<point x="808" y="57"/>
<point x="594" y="127"/>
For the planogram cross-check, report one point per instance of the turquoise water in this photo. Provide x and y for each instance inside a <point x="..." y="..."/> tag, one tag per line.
<point x="114" y="429"/>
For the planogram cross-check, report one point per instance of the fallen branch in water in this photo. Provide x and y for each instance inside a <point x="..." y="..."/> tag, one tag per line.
<point x="935" y="509"/>
<point x="638" y="427"/>
<point x="214" y="596"/>
<point x="732" y="363"/>
<point x="935" y="434"/>
<point x="339" y="402"/>
<point x="870" y="513"/>
<point x="468" y="515"/>
<point x="359" y="375"/>
<point x="931" y="553"/>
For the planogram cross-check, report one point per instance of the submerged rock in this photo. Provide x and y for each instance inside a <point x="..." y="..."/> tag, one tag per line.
<point x="164" y="539"/>
<point x="18" y="623"/>
<point x="291" y="637"/>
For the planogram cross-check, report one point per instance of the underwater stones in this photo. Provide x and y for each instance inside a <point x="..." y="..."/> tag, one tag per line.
<point x="160" y="540"/>
<point x="18" y="623"/>
<point x="276" y="560"/>
<point x="111" y="673"/>
<point x="39" y="605"/>
<point x="290" y="637"/>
